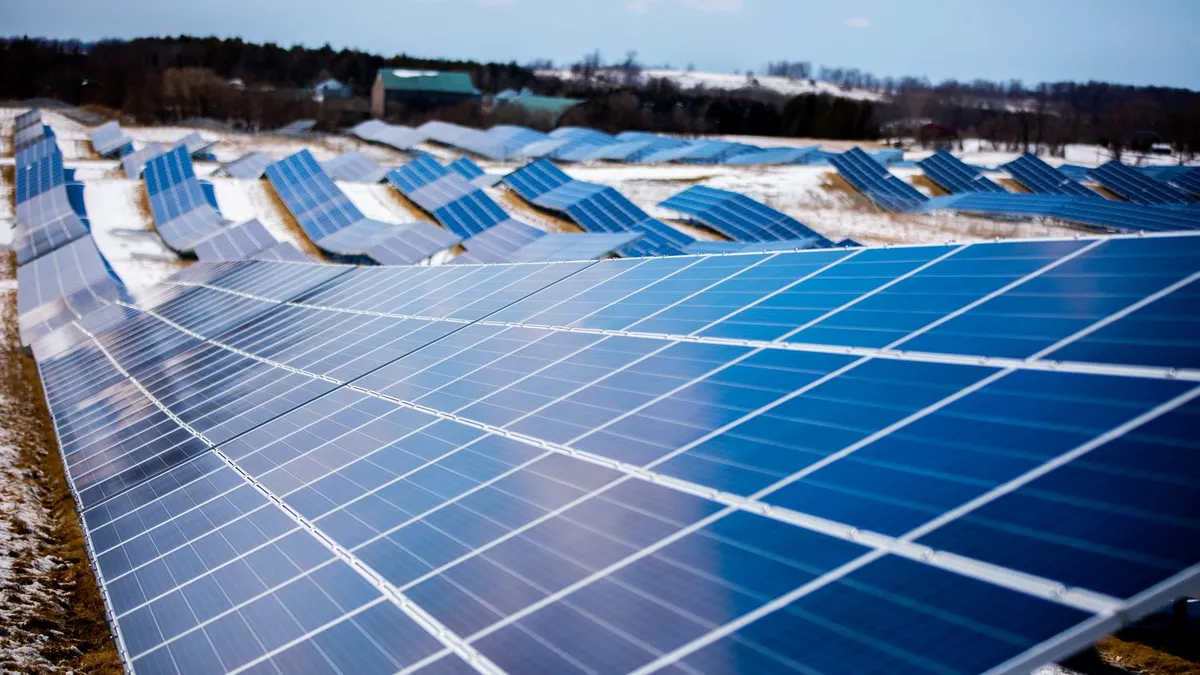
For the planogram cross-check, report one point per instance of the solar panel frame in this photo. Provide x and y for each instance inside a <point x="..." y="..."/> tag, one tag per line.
<point x="1135" y="186"/>
<point x="108" y="139"/>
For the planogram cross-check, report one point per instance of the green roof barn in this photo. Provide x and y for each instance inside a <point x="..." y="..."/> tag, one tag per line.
<point x="420" y="88"/>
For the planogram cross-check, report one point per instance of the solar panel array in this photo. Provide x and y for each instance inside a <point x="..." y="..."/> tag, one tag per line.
<point x="490" y="234"/>
<point x="183" y="215"/>
<point x="398" y="137"/>
<point x="1039" y="177"/>
<point x="62" y="286"/>
<point x="1188" y="181"/>
<point x="336" y="225"/>
<point x="874" y="180"/>
<point x="46" y="218"/>
<point x="741" y="218"/>
<point x="135" y="162"/>
<point x="955" y="176"/>
<point x="595" y="208"/>
<point x="194" y="143"/>
<point x="711" y="247"/>
<point x="794" y="462"/>
<point x="354" y="167"/>
<point x="1133" y="185"/>
<point x="247" y="241"/>
<point x="473" y="173"/>
<point x="773" y="156"/>
<point x="1087" y="210"/>
<point x="250" y="165"/>
<point x="108" y="140"/>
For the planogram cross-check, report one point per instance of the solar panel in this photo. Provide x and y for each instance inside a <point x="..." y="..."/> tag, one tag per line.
<point x="134" y="162"/>
<point x="473" y="173"/>
<point x="297" y="128"/>
<point x="875" y="181"/>
<point x="37" y="169"/>
<point x="514" y="241"/>
<point x="711" y="247"/>
<point x="1189" y="181"/>
<point x="183" y="215"/>
<point x="773" y="156"/>
<point x="1135" y="186"/>
<point x="62" y="286"/>
<point x="1086" y="210"/>
<point x="396" y="136"/>
<point x="337" y="227"/>
<point x="108" y="140"/>
<point x="463" y="208"/>
<point x="1039" y="177"/>
<point x="746" y="462"/>
<point x="194" y="143"/>
<point x="283" y="252"/>
<point x="596" y="208"/>
<point x="49" y="213"/>
<point x="739" y="217"/>
<point x="250" y="165"/>
<point x="354" y="167"/>
<point x="242" y="241"/>
<point x="955" y="176"/>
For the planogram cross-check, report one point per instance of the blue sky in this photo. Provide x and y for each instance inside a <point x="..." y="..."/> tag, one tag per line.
<point x="1128" y="41"/>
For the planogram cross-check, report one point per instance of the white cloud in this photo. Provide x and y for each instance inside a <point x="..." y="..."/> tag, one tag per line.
<point x="714" y="5"/>
<point x="858" y="22"/>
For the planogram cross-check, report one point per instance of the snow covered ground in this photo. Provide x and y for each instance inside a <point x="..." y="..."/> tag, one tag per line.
<point x="124" y="233"/>
<point x="242" y="199"/>
<point x="377" y="201"/>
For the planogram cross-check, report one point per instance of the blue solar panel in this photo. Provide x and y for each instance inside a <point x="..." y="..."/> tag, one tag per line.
<point x="49" y="211"/>
<point x="337" y="227"/>
<point x="514" y="241"/>
<point x="134" y="162"/>
<point x="741" y="218"/>
<point x="875" y="181"/>
<point x="1188" y="181"/>
<point x="183" y="214"/>
<point x="459" y="206"/>
<point x="641" y="464"/>
<point x="1086" y="210"/>
<point x="954" y="176"/>
<point x="473" y="173"/>
<point x="1135" y="186"/>
<point x="1039" y="177"/>
<point x="236" y="242"/>
<point x="770" y="156"/>
<point x="62" y="286"/>
<point x="596" y="208"/>
<point x="395" y="136"/>
<point x="701" y="152"/>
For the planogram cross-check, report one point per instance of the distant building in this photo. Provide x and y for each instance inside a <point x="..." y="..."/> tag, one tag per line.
<point x="420" y="88"/>
<point x="331" y="88"/>
<point x="550" y="106"/>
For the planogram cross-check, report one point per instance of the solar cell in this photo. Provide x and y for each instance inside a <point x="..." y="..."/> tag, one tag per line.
<point x="596" y="208"/>
<point x="250" y="165"/>
<point x="473" y="173"/>
<point x="235" y="242"/>
<point x="741" y="218"/>
<point x="49" y="213"/>
<point x="463" y="208"/>
<point x="354" y="167"/>
<point x="1039" y="177"/>
<point x="108" y="140"/>
<point x="954" y="176"/>
<point x="875" y="181"/>
<point x="762" y="461"/>
<point x="1135" y="186"/>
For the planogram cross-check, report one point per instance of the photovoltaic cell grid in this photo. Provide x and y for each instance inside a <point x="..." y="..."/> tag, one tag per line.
<point x="596" y="208"/>
<point x="336" y="226"/>
<point x="1087" y="210"/>
<point x="1039" y="177"/>
<point x="243" y="241"/>
<point x="1138" y="188"/>
<point x="741" y="218"/>
<point x="463" y="208"/>
<point x="956" y="177"/>
<point x="772" y="156"/>
<point x="108" y="140"/>
<point x="473" y="173"/>
<point x="1189" y="181"/>
<point x="45" y="217"/>
<point x="183" y="215"/>
<point x="652" y="464"/>
<point x="396" y="136"/>
<point x="875" y="181"/>
<point x="514" y="241"/>
<point x="134" y="162"/>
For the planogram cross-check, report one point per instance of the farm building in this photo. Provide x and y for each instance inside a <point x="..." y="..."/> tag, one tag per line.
<point x="420" y="88"/>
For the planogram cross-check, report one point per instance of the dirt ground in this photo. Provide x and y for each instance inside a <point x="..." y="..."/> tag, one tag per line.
<point x="51" y="614"/>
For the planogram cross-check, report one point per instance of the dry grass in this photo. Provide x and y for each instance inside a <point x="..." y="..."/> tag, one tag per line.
<point x="1141" y="658"/>
<point x="144" y="210"/>
<point x="71" y="632"/>
<point x="687" y="180"/>
<point x="1105" y="192"/>
<point x="8" y="176"/>
<point x="1012" y="185"/>
<point x="552" y="222"/>
<point x="306" y="245"/>
<point x="921" y="180"/>
<point x="833" y="182"/>
<point x="408" y="207"/>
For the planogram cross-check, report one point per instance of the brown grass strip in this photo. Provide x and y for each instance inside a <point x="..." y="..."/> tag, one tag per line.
<point x="1140" y="658"/>
<point x="71" y="631"/>
<point x="1013" y="186"/>
<point x="407" y="206"/>
<point x="1105" y="192"/>
<point x="306" y="245"/>
<point x="921" y="180"/>
<point x="8" y="175"/>
<point x="513" y="203"/>
<point x="833" y="182"/>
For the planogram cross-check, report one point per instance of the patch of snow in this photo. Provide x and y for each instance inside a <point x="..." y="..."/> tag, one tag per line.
<point x="125" y="236"/>
<point x="685" y="79"/>
<point x="415" y="73"/>
<point x="241" y="199"/>
<point x="375" y="202"/>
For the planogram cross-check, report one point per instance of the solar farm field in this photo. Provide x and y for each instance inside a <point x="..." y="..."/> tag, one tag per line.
<point x="440" y="399"/>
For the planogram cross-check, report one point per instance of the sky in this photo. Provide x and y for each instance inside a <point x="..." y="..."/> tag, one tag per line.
<point x="1125" y="41"/>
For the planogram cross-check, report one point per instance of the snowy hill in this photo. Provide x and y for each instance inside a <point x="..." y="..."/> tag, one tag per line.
<point x="686" y="79"/>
